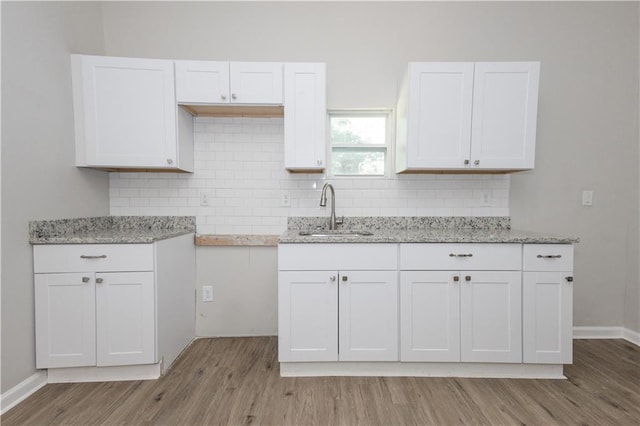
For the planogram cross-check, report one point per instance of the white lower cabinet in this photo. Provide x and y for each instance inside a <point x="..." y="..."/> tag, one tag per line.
<point x="468" y="316"/>
<point x="346" y="314"/>
<point x="429" y="316"/>
<point x="105" y="305"/>
<point x="308" y="316"/>
<point x="125" y="318"/>
<point x="65" y="320"/>
<point x="490" y="316"/>
<point x="101" y="319"/>
<point x="440" y="309"/>
<point x="547" y="304"/>
<point x="368" y="316"/>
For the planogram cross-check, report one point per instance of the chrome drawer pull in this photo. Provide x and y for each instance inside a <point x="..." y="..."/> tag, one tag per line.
<point x="460" y="255"/>
<point x="84" y="256"/>
<point x="549" y="256"/>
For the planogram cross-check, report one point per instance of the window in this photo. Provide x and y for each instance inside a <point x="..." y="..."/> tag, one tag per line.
<point x="359" y="142"/>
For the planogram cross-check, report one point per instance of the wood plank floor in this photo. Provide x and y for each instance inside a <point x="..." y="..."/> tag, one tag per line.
<point x="235" y="381"/>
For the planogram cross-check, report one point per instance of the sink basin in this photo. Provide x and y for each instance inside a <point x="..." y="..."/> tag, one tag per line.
<point x="335" y="233"/>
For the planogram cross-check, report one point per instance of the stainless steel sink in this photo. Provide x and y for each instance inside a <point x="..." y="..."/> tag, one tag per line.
<point x="335" y="233"/>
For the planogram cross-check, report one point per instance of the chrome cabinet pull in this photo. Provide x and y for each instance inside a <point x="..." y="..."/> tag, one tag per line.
<point x="467" y="278"/>
<point x="477" y="162"/>
<point x="549" y="256"/>
<point x="460" y="254"/>
<point x="99" y="280"/>
<point x="345" y="278"/>
<point x="85" y="279"/>
<point x="233" y="96"/>
<point x="332" y="279"/>
<point x="84" y="256"/>
<point x="466" y="162"/>
<point x="569" y="279"/>
<point x="223" y="97"/>
<point x="169" y="161"/>
<point x="456" y="278"/>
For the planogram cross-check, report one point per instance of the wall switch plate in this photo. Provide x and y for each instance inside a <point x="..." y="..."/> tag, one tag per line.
<point x="587" y="198"/>
<point x="285" y="199"/>
<point x="207" y="293"/>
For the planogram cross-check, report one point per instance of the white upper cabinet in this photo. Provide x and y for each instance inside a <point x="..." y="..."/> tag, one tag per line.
<point x="439" y="114"/>
<point x="305" y="111"/>
<point x="467" y="116"/>
<point x="211" y="82"/>
<point x="126" y="115"/>
<point x="505" y="106"/>
<point x="256" y="82"/>
<point x="202" y="82"/>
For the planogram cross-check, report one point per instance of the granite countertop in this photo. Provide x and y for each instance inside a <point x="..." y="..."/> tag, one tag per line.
<point x="110" y="229"/>
<point x="421" y="230"/>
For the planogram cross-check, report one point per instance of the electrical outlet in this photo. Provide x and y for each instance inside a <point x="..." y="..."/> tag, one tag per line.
<point x="205" y="198"/>
<point x="207" y="293"/>
<point x="587" y="198"/>
<point x="285" y="199"/>
<point x="485" y="198"/>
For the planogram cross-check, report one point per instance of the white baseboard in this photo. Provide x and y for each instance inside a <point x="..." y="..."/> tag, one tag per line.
<point x="631" y="336"/>
<point x="607" y="333"/>
<point x="121" y="373"/>
<point x="22" y="391"/>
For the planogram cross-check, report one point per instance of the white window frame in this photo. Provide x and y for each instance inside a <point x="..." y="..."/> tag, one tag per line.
<point x="363" y="112"/>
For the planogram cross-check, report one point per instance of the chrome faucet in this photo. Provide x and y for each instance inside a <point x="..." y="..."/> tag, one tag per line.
<point x="333" y="222"/>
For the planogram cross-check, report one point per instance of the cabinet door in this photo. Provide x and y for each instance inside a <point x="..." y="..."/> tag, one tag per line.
<point x="65" y="320"/>
<point x="439" y="117"/>
<point x="125" y="316"/>
<point x="204" y="82"/>
<point x="125" y="112"/>
<point x="505" y="103"/>
<point x="256" y="82"/>
<point x="490" y="316"/>
<point x="368" y="315"/>
<point x="430" y="316"/>
<point x="307" y="316"/>
<point x="305" y="110"/>
<point x="547" y="317"/>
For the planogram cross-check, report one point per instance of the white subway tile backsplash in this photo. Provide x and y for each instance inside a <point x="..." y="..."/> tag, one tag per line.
<point x="239" y="164"/>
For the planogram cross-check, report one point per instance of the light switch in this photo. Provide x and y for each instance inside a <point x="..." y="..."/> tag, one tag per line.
<point x="587" y="198"/>
<point x="207" y="293"/>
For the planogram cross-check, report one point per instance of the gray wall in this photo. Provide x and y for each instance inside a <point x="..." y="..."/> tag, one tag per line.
<point x="632" y="297"/>
<point x="39" y="179"/>
<point x="588" y="127"/>
<point x="588" y="107"/>
<point x="245" y="283"/>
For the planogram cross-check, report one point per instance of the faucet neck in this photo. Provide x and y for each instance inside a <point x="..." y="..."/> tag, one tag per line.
<point x="323" y="203"/>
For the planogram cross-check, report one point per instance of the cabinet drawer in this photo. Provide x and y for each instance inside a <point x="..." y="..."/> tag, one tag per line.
<point x="547" y="257"/>
<point x="92" y="258"/>
<point x="447" y="256"/>
<point x="332" y="257"/>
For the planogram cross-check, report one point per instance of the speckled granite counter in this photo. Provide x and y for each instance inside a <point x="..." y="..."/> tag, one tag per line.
<point x="110" y="229"/>
<point x="420" y="230"/>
